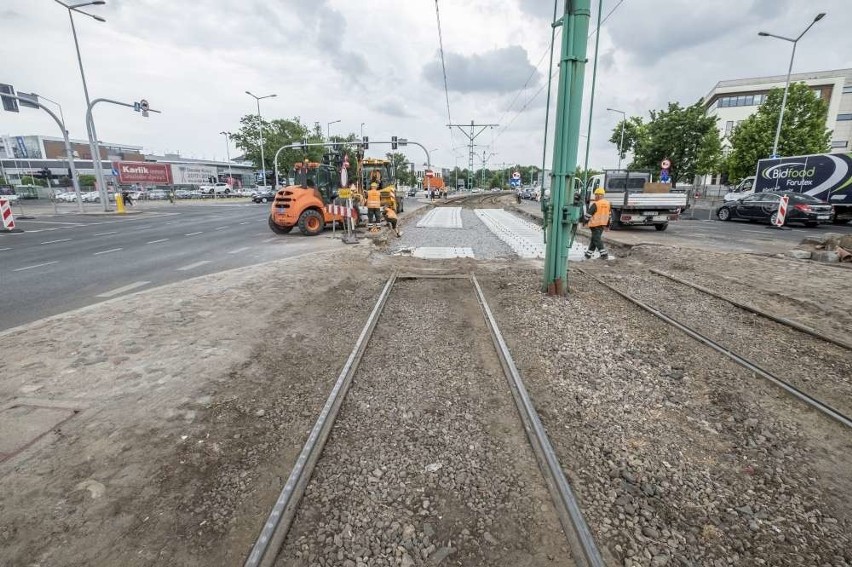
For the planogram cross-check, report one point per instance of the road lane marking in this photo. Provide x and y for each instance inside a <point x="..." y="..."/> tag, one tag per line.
<point x="221" y="228"/>
<point x="121" y="290"/>
<point x="53" y="222"/>
<point x="36" y="266"/>
<point x="107" y="251"/>
<point x="244" y="222"/>
<point x="193" y="266"/>
<point x="55" y="241"/>
<point x="105" y="233"/>
<point x="4" y="249"/>
<point x="156" y="241"/>
<point x="273" y="239"/>
<point x="238" y="250"/>
<point x="146" y="226"/>
<point x="194" y="233"/>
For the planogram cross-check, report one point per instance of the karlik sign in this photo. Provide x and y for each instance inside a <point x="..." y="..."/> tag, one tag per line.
<point x="143" y="172"/>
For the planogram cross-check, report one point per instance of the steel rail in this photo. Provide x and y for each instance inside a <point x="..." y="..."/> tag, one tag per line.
<point x="268" y="544"/>
<point x="573" y="522"/>
<point x="782" y="320"/>
<point x="786" y="386"/>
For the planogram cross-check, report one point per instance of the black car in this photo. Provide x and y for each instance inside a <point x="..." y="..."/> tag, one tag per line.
<point x="265" y="196"/>
<point x="763" y="207"/>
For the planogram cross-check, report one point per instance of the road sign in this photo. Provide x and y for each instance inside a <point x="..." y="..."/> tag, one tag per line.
<point x="137" y="107"/>
<point x="430" y="173"/>
<point x="782" y="211"/>
<point x="516" y="175"/>
<point x="344" y="176"/>
<point x="666" y="164"/>
<point x="30" y="100"/>
<point x="345" y="193"/>
<point x="143" y="105"/>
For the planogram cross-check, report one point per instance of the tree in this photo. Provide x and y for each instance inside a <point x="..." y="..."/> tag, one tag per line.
<point x="681" y="134"/>
<point x="30" y="180"/>
<point x="276" y="133"/>
<point x="635" y="131"/>
<point x="803" y="130"/>
<point x="86" y="180"/>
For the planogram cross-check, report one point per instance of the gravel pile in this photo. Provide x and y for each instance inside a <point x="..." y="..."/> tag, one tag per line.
<point x="428" y="463"/>
<point x="819" y="368"/>
<point x="474" y="235"/>
<point x="679" y="456"/>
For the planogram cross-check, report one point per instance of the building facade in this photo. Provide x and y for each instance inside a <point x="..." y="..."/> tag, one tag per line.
<point x="735" y="100"/>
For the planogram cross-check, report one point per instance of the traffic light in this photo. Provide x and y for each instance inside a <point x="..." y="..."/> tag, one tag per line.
<point x="366" y="142"/>
<point x="394" y="144"/>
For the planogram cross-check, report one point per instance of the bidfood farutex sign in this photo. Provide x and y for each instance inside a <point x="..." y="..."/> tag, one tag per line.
<point x="824" y="176"/>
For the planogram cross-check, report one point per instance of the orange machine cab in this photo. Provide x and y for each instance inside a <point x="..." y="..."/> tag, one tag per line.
<point x="303" y="204"/>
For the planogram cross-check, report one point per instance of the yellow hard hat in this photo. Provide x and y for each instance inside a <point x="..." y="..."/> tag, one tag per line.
<point x="600" y="191"/>
<point x="373" y="185"/>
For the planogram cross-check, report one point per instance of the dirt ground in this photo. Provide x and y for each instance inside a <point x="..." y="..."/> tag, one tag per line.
<point x="193" y="401"/>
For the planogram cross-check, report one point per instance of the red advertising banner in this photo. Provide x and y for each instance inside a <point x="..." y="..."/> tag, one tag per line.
<point x="143" y="172"/>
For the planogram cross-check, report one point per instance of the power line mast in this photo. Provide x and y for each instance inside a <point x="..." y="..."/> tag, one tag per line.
<point x="471" y="135"/>
<point x="562" y="214"/>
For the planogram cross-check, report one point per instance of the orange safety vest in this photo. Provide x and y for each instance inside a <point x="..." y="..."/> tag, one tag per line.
<point x="390" y="213"/>
<point x="374" y="199"/>
<point x="601" y="216"/>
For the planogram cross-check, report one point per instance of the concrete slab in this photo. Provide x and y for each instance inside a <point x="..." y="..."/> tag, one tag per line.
<point x="24" y="424"/>
<point x="442" y="217"/>
<point x="442" y="252"/>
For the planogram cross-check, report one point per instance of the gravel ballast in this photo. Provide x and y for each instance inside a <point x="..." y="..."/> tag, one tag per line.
<point x="679" y="456"/>
<point x="428" y="463"/>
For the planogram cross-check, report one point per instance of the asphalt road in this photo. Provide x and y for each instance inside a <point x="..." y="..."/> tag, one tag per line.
<point x="66" y="261"/>
<point x="705" y="231"/>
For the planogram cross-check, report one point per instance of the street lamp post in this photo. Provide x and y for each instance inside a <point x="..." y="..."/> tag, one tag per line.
<point x="328" y="129"/>
<point x="621" y="143"/>
<point x="96" y="154"/>
<point x="260" y="131"/>
<point x="362" y="130"/>
<point x="228" y="154"/>
<point x="818" y="17"/>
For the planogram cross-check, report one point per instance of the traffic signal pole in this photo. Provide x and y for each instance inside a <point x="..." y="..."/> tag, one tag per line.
<point x="564" y="213"/>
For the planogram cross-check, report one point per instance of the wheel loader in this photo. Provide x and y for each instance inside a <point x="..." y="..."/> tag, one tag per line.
<point x="304" y="203"/>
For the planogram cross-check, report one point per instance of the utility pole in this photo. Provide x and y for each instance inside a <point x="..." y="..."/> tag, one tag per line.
<point x="563" y="213"/>
<point x="471" y="136"/>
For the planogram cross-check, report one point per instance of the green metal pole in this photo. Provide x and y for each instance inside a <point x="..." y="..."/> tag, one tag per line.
<point x="564" y="213"/>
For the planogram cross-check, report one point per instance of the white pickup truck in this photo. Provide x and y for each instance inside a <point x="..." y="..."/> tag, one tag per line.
<point x="636" y="201"/>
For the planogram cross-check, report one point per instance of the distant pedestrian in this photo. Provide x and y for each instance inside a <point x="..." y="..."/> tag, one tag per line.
<point x="598" y="219"/>
<point x="125" y="196"/>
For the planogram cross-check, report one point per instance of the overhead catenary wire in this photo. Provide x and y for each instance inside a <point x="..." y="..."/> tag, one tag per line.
<point x="545" y="85"/>
<point x="444" y="72"/>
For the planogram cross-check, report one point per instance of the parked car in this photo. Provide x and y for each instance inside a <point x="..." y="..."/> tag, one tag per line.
<point x="215" y="189"/>
<point x="8" y="194"/>
<point x="182" y="194"/>
<point x="91" y="197"/>
<point x="412" y="192"/>
<point x="263" y="196"/>
<point x="763" y="207"/>
<point x="743" y="189"/>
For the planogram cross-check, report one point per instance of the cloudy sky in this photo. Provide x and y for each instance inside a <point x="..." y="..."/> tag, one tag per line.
<point x="377" y="62"/>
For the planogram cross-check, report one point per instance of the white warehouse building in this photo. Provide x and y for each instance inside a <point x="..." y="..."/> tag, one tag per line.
<point x="735" y="100"/>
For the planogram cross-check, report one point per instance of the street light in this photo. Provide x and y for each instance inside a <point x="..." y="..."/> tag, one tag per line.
<point x="328" y="129"/>
<point x="95" y="150"/>
<point x="228" y="154"/>
<point x="260" y="131"/>
<point x="621" y="143"/>
<point x="818" y="17"/>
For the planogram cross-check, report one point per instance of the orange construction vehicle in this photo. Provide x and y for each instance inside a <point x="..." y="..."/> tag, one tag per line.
<point x="434" y="184"/>
<point x="304" y="204"/>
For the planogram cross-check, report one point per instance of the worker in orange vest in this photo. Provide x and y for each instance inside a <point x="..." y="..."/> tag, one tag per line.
<point x="598" y="219"/>
<point x="390" y="216"/>
<point x="374" y="205"/>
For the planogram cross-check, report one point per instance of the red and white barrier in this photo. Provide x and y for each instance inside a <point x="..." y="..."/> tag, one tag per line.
<point x="782" y="210"/>
<point x="342" y="211"/>
<point x="6" y="214"/>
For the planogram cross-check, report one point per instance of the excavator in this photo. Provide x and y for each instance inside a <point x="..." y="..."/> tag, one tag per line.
<point x="304" y="203"/>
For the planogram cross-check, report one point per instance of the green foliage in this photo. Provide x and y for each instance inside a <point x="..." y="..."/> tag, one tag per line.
<point x="684" y="135"/>
<point x="400" y="165"/>
<point x="276" y="133"/>
<point x="635" y="130"/>
<point x="803" y="130"/>
<point x="28" y="180"/>
<point x="86" y="180"/>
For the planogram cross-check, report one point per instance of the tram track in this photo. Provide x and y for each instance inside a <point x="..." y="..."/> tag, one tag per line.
<point x="794" y="369"/>
<point x="470" y="402"/>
